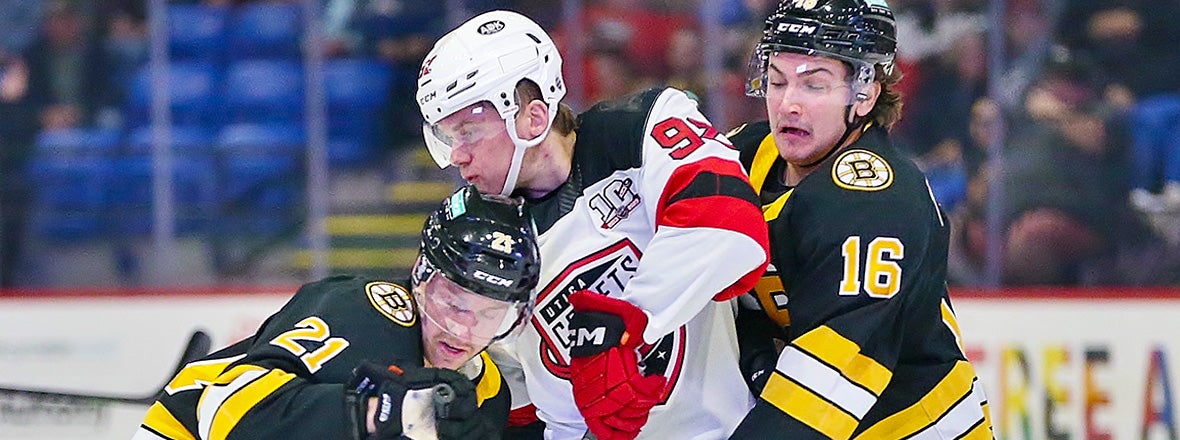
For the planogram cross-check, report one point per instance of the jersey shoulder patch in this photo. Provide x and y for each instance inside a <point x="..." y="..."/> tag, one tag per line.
<point x="862" y="170"/>
<point x="393" y="301"/>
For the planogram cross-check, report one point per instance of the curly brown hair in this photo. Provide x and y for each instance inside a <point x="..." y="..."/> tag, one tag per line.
<point x="887" y="111"/>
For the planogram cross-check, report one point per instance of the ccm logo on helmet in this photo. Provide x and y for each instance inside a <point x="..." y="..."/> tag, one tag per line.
<point x="796" y="28"/>
<point x="492" y="279"/>
<point x="491" y="27"/>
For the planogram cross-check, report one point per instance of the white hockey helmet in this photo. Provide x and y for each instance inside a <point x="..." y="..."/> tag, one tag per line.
<point x="483" y="60"/>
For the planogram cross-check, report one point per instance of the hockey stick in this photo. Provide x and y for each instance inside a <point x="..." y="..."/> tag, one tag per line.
<point x="198" y="346"/>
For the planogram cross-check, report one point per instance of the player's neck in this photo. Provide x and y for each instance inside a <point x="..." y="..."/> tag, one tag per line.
<point x="548" y="164"/>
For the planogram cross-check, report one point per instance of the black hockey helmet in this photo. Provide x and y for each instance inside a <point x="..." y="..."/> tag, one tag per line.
<point x="859" y="32"/>
<point x="484" y="243"/>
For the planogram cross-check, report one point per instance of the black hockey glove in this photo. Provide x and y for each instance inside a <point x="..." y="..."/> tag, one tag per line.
<point x="456" y="413"/>
<point x="453" y="398"/>
<point x="370" y="380"/>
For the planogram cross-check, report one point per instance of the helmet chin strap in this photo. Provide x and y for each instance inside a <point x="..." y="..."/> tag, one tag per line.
<point x="519" y="147"/>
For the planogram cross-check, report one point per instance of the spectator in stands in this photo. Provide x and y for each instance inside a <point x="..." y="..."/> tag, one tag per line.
<point x="65" y="69"/>
<point x="18" y="127"/>
<point x="683" y="57"/>
<point x="401" y="37"/>
<point x="1027" y="30"/>
<point x="934" y="128"/>
<point x="125" y="49"/>
<point x="1065" y="207"/>
<point x="19" y="20"/>
<point x="967" y="254"/>
<point x="1133" y="42"/>
<point x="638" y="34"/>
<point x="610" y="75"/>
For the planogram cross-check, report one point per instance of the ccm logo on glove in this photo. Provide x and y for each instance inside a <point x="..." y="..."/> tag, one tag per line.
<point x="596" y="332"/>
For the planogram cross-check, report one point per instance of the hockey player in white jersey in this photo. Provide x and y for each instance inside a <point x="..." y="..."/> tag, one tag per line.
<point x="648" y="227"/>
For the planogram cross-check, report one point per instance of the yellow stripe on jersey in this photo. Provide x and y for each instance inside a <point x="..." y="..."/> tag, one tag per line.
<point x="162" y="421"/>
<point x="230" y="412"/>
<point x="197" y="374"/>
<point x="771" y="211"/>
<point x="807" y="407"/>
<point x="763" y="159"/>
<point x="951" y="392"/>
<point x="844" y="355"/>
<point x="772" y="296"/>
<point x="948" y="318"/>
<point x="489" y="382"/>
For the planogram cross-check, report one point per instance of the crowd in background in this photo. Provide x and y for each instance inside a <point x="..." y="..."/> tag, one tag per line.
<point x="1087" y="102"/>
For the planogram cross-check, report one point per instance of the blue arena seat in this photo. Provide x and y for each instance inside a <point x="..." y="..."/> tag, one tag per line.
<point x="265" y="30"/>
<point x="69" y="195"/>
<point x="345" y="152"/>
<point x="263" y="91"/>
<point x="187" y="140"/>
<point x="197" y="32"/>
<point x="357" y="82"/>
<point x="261" y="170"/>
<point x="357" y="91"/>
<point x="261" y="138"/>
<point x="77" y="141"/>
<point x="193" y="89"/>
<point x="130" y="197"/>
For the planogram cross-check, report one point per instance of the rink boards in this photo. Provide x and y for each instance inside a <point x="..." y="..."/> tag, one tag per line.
<point x="1054" y="362"/>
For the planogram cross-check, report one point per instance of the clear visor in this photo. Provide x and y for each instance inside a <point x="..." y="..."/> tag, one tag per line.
<point x="465" y="314"/>
<point x="756" y="74"/>
<point x="471" y="125"/>
<point x="757" y="79"/>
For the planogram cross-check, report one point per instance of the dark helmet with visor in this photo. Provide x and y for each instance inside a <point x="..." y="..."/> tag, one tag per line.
<point x="859" y="32"/>
<point x="486" y="244"/>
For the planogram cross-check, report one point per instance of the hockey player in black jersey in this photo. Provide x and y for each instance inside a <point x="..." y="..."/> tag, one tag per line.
<point x="350" y="358"/>
<point x="857" y="284"/>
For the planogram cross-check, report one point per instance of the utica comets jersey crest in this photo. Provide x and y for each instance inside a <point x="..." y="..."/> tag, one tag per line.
<point x="606" y="272"/>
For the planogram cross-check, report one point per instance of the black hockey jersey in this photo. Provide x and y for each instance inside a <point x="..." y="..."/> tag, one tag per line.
<point x="287" y="380"/>
<point x="872" y="346"/>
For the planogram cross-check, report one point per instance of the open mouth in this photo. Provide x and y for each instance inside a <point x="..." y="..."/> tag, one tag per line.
<point x="794" y="131"/>
<point x="451" y="349"/>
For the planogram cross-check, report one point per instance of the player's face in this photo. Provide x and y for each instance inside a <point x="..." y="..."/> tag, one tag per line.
<point x="806" y="100"/>
<point x="479" y="145"/>
<point x="456" y="323"/>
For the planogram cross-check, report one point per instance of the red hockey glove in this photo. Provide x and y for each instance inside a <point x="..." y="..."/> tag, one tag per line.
<point x="611" y="392"/>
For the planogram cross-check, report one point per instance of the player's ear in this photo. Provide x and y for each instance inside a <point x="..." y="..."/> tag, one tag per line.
<point x="531" y="120"/>
<point x="866" y="99"/>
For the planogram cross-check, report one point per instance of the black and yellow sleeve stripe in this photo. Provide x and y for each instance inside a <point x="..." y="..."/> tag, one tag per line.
<point x="227" y="400"/>
<point x="824" y="381"/>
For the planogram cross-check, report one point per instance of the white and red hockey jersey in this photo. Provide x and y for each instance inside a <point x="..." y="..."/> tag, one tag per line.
<point x="657" y="211"/>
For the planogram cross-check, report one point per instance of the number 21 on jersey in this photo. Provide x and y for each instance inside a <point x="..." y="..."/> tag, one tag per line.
<point x="882" y="274"/>
<point x="311" y="329"/>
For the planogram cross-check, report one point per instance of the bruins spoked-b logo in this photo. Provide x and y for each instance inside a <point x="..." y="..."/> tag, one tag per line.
<point x="393" y="301"/>
<point x="862" y="170"/>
